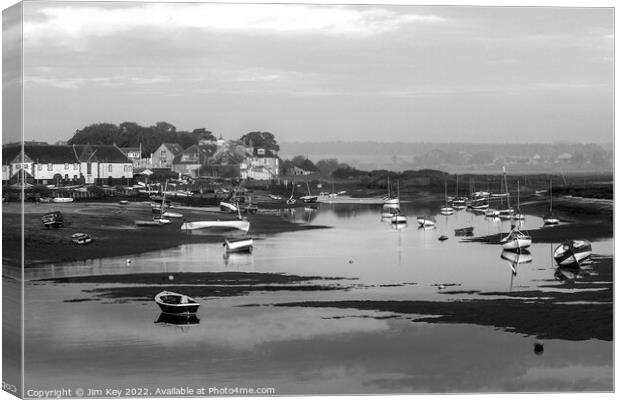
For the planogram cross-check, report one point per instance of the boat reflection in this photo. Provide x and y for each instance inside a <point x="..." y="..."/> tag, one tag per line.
<point x="239" y="261"/>
<point x="181" y="322"/>
<point x="568" y="274"/>
<point x="514" y="259"/>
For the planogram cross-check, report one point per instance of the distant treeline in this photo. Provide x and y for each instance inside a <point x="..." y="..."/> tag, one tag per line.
<point x="459" y="156"/>
<point x="131" y="134"/>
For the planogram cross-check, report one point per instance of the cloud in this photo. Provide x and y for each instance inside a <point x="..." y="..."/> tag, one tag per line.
<point x="96" y="20"/>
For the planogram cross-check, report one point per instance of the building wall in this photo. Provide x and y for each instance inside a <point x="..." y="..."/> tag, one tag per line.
<point x="162" y="157"/>
<point x="260" y="168"/>
<point x="187" y="169"/>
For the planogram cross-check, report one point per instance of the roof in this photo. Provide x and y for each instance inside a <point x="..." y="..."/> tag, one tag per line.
<point x="174" y="148"/>
<point x="128" y="149"/>
<point x="59" y="154"/>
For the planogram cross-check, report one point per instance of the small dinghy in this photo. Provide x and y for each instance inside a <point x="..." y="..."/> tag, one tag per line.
<point x="176" y="303"/>
<point x="442" y="238"/>
<point x="572" y="252"/>
<point x="239" y="245"/>
<point x="53" y="219"/>
<point x="228" y="207"/>
<point x="123" y="202"/>
<point x="81" y="238"/>
<point x="162" y="220"/>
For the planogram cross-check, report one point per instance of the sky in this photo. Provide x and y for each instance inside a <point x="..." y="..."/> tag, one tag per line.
<point x="321" y="72"/>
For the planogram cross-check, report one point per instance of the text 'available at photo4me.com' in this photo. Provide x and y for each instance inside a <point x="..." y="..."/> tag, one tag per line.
<point x="85" y="392"/>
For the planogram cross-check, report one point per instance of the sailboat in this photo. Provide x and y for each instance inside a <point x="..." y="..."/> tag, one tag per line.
<point x="550" y="218"/>
<point x="446" y="210"/>
<point x="291" y="200"/>
<point x="389" y="199"/>
<point x="309" y="198"/>
<point x="518" y="215"/>
<point x="459" y="203"/>
<point x="515" y="240"/>
<point x="397" y="218"/>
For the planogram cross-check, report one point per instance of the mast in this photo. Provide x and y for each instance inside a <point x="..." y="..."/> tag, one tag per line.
<point x="163" y="200"/>
<point x="551" y="196"/>
<point x="457" y="187"/>
<point x="445" y="195"/>
<point x="388" y="185"/>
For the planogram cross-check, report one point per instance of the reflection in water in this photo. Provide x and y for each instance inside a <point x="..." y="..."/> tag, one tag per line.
<point x="514" y="259"/>
<point x="239" y="261"/>
<point x="181" y="322"/>
<point x="312" y="350"/>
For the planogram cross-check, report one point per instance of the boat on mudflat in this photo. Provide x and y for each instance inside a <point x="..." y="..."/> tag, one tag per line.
<point x="239" y="245"/>
<point x="62" y="199"/>
<point x="243" y="225"/>
<point x="468" y="230"/>
<point x="572" y="252"/>
<point x="53" y="219"/>
<point x="81" y="238"/>
<point x="176" y="303"/>
<point x="228" y="207"/>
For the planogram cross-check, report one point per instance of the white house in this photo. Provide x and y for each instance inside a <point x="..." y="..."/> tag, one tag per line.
<point x="68" y="164"/>
<point x="262" y="165"/>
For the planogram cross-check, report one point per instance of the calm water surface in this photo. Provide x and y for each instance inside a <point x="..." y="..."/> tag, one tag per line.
<point x="105" y="343"/>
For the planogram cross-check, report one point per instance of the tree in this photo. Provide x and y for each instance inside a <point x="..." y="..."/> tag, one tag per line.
<point x="202" y="133"/>
<point x="101" y="133"/>
<point x="327" y="166"/>
<point x="263" y="140"/>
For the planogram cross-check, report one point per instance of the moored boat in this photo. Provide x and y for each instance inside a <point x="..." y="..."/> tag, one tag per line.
<point x="176" y="303"/>
<point x="572" y="252"/>
<point x="426" y="221"/>
<point x="53" y="219"/>
<point x="81" y="238"/>
<point x="550" y="218"/>
<point x="399" y="219"/>
<point x="62" y="199"/>
<point x="464" y="231"/>
<point x="243" y="225"/>
<point x="228" y="207"/>
<point x="516" y="241"/>
<point x="239" y="245"/>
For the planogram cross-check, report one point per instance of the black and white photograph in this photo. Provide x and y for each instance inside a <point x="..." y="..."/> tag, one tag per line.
<point x="218" y="199"/>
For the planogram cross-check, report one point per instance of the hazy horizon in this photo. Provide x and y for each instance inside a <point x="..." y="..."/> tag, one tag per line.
<point x="317" y="73"/>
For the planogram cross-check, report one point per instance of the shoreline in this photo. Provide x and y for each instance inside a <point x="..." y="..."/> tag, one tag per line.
<point x="114" y="232"/>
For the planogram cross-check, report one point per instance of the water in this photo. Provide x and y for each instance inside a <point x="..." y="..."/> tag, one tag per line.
<point x="105" y="343"/>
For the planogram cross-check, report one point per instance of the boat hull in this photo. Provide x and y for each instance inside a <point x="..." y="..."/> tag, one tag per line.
<point x="239" y="246"/>
<point x="176" y="304"/>
<point x="572" y="252"/>
<point x="240" y="225"/>
<point x="516" y="243"/>
<point x="425" y="222"/>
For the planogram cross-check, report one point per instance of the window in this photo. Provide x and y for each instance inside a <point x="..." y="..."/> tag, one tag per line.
<point x="39" y="167"/>
<point x="50" y="167"/>
<point x="163" y="154"/>
<point x="66" y="165"/>
<point x="109" y="167"/>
